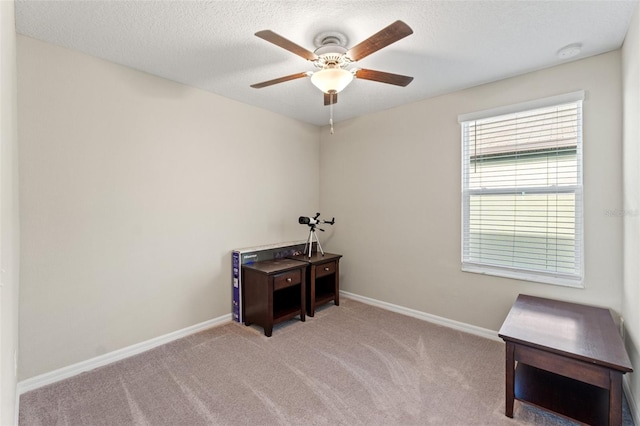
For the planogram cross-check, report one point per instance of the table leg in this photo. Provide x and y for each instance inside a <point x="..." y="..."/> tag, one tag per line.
<point x="615" y="398"/>
<point x="509" y="379"/>
<point x="337" y="282"/>
<point x="312" y="291"/>
<point x="303" y="298"/>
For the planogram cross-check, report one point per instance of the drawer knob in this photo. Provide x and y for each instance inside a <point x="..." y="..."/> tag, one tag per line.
<point x="288" y="280"/>
<point x="326" y="268"/>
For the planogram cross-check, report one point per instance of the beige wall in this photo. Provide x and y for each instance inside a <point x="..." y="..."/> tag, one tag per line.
<point x="9" y="225"/>
<point x="631" y="198"/>
<point x="392" y="180"/>
<point x="131" y="200"/>
<point x="134" y="191"/>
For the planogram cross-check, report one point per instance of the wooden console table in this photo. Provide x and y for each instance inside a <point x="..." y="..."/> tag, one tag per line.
<point x="323" y="279"/>
<point x="570" y="360"/>
<point x="274" y="291"/>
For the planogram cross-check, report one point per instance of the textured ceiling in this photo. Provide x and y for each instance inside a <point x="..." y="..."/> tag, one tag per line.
<point x="211" y="44"/>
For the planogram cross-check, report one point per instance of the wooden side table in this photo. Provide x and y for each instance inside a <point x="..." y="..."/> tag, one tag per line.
<point x="564" y="357"/>
<point x="323" y="279"/>
<point x="274" y="291"/>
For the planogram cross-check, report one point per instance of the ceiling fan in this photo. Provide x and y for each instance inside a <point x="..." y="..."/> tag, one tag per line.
<point x="334" y="61"/>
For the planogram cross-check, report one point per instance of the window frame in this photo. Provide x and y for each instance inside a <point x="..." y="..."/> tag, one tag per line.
<point x="569" y="280"/>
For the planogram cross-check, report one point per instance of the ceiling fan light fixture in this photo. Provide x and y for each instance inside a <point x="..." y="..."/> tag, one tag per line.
<point x="331" y="79"/>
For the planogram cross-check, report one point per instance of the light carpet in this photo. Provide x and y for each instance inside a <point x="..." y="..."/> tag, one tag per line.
<point x="352" y="364"/>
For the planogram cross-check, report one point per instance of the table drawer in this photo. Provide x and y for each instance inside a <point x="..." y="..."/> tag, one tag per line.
<point x="325" y="269"/>
<point x="564" y="366"/>
<point x="287" y="279"/>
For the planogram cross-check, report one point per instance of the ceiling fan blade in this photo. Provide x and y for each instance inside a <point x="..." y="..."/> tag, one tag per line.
<point x="279" y="80"/>
<point x="328" y="100"/>
<point x="384" y="77"/>
<point x="280" y="41"/>
<point x="394" y="32"/>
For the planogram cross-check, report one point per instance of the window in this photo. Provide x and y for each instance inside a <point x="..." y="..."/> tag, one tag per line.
<point x="522" y="191"/>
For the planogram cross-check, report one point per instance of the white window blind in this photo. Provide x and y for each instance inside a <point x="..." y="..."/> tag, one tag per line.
<point x="522" y="194"/>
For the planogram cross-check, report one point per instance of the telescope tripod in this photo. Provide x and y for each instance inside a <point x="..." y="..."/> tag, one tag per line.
<point x="312" y="233"/>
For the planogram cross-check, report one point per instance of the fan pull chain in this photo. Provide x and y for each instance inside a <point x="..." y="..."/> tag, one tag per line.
<point x="331" y="113"/>
<point x="331" y="118"/>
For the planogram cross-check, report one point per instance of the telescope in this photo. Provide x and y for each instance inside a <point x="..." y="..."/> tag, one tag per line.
<point x="312" y="222"/>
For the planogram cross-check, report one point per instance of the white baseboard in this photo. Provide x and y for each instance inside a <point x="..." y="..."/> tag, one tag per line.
<point x="102" y="360"/>
<point x="457" y="325"/>
<point x="479" y="331"/>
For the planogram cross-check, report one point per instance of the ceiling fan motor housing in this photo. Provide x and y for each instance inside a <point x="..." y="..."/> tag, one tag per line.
<point x="331" y="56"/>
<point x="331" y="50"/>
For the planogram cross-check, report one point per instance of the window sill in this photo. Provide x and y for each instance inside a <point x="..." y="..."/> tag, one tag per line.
<point x="524" y="276"/>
